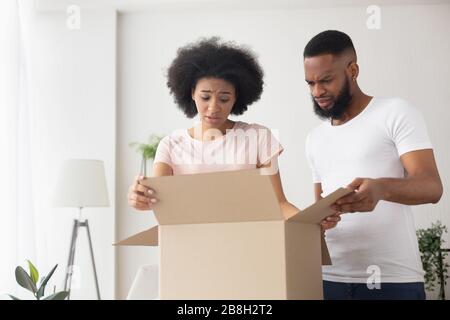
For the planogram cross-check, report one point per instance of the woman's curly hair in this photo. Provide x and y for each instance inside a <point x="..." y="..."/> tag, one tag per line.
<point x="215" y="59"/>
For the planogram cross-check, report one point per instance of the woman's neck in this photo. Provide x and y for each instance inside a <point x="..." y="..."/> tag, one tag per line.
<point x="205" y="132"/>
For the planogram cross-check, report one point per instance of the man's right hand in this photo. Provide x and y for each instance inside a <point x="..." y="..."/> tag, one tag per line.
<point x="140" y="196"/>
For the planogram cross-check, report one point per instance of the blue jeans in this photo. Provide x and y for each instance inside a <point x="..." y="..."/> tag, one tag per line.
<point x="360" y="291"/>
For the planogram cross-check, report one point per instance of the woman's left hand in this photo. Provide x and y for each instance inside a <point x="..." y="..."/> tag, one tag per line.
<point x="331" y="221"/>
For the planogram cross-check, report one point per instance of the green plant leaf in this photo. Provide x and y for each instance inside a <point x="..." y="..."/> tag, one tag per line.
<point x="147" y="150"/>
<point x="41" y="290"/>
<point x="24" y="280"/>
<point x="57" y="296"/>
<point x="430" y="243"/>
<point x="33" y="272"/>
<point x="13" y="297"/>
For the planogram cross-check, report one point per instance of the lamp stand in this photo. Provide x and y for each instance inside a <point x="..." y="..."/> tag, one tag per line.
<point x="78" y="223"/>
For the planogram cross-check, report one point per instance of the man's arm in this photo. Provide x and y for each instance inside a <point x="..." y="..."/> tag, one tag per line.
<point x="421" y="185"/>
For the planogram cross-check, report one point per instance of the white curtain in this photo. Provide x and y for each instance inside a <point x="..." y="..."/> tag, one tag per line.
<point x="18" y="240"/>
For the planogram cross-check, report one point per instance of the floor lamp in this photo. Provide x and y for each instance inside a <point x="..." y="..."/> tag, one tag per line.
<point x="81" y="184"/>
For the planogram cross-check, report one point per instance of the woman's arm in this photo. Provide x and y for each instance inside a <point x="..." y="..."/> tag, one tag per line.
<point x="161" y="169"/>
<point x="287" y="208"/>
<point x="271" y="169"/>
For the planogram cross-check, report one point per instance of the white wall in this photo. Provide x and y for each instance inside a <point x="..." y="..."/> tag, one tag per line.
<point x="73" y="116"/>
<point x="74" y="89"/>
<point x="406" y="58"/>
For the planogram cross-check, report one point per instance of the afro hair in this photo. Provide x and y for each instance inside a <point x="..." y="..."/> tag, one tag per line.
<point x="211" y="58"/>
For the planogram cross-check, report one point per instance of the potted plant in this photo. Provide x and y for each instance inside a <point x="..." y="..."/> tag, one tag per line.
<point x="433" y="257"/>
<point x="147" y="151"/>
<point x="29" y="281"/>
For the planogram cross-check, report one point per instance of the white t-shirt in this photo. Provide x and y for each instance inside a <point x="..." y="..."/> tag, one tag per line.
<point x="370" y="146"/>
<point x="245" y="146"/>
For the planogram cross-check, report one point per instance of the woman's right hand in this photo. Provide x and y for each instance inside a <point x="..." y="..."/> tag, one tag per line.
<point x="140" y="196"/>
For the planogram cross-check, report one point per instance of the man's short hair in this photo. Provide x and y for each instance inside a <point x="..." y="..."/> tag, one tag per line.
<point x="328" y="42"/>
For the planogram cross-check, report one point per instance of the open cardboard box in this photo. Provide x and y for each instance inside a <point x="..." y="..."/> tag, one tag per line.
<point x="223" y="236"/>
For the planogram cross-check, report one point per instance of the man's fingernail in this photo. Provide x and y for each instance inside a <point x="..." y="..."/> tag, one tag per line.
<point x="150" y="191"/>
<point x="153" y="200"/>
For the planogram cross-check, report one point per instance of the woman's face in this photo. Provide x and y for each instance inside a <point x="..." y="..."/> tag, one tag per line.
<point x="214" y="99"/>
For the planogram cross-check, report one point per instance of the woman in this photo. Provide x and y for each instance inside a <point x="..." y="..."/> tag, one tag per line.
<point x="212" y="79"/>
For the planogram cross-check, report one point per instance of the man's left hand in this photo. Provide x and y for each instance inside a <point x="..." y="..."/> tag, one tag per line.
<point x="367" y="193"/>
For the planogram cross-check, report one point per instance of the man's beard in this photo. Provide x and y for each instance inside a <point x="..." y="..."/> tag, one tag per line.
<point x="339" y="107"/>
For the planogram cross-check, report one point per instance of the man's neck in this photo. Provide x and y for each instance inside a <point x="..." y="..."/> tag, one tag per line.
<point x="357" y="105"/>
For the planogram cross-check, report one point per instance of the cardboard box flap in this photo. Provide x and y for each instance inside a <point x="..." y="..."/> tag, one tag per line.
<point x="326" y="259"/>
<point x="145" y="238"/>
<point x="231" y="196"/>
<point x="321" y="209"/>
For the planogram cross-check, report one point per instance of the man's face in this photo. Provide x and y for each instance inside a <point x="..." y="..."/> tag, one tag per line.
<point x="329" y="85"/>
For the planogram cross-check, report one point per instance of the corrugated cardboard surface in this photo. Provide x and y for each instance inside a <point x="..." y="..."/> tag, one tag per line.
<point x="303" y="261"/>
<point x="235" y="196"/>
<point x="147" y="237"/>
<point x="223" y="261"/>
<point x="222" y="236"/>
<point x="321" y="209"/>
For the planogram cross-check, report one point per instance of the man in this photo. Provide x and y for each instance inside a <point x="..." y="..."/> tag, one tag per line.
<point x="378" y="147"/>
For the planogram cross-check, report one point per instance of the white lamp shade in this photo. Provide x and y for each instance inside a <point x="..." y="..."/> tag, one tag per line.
<point x="81" y="183"/>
